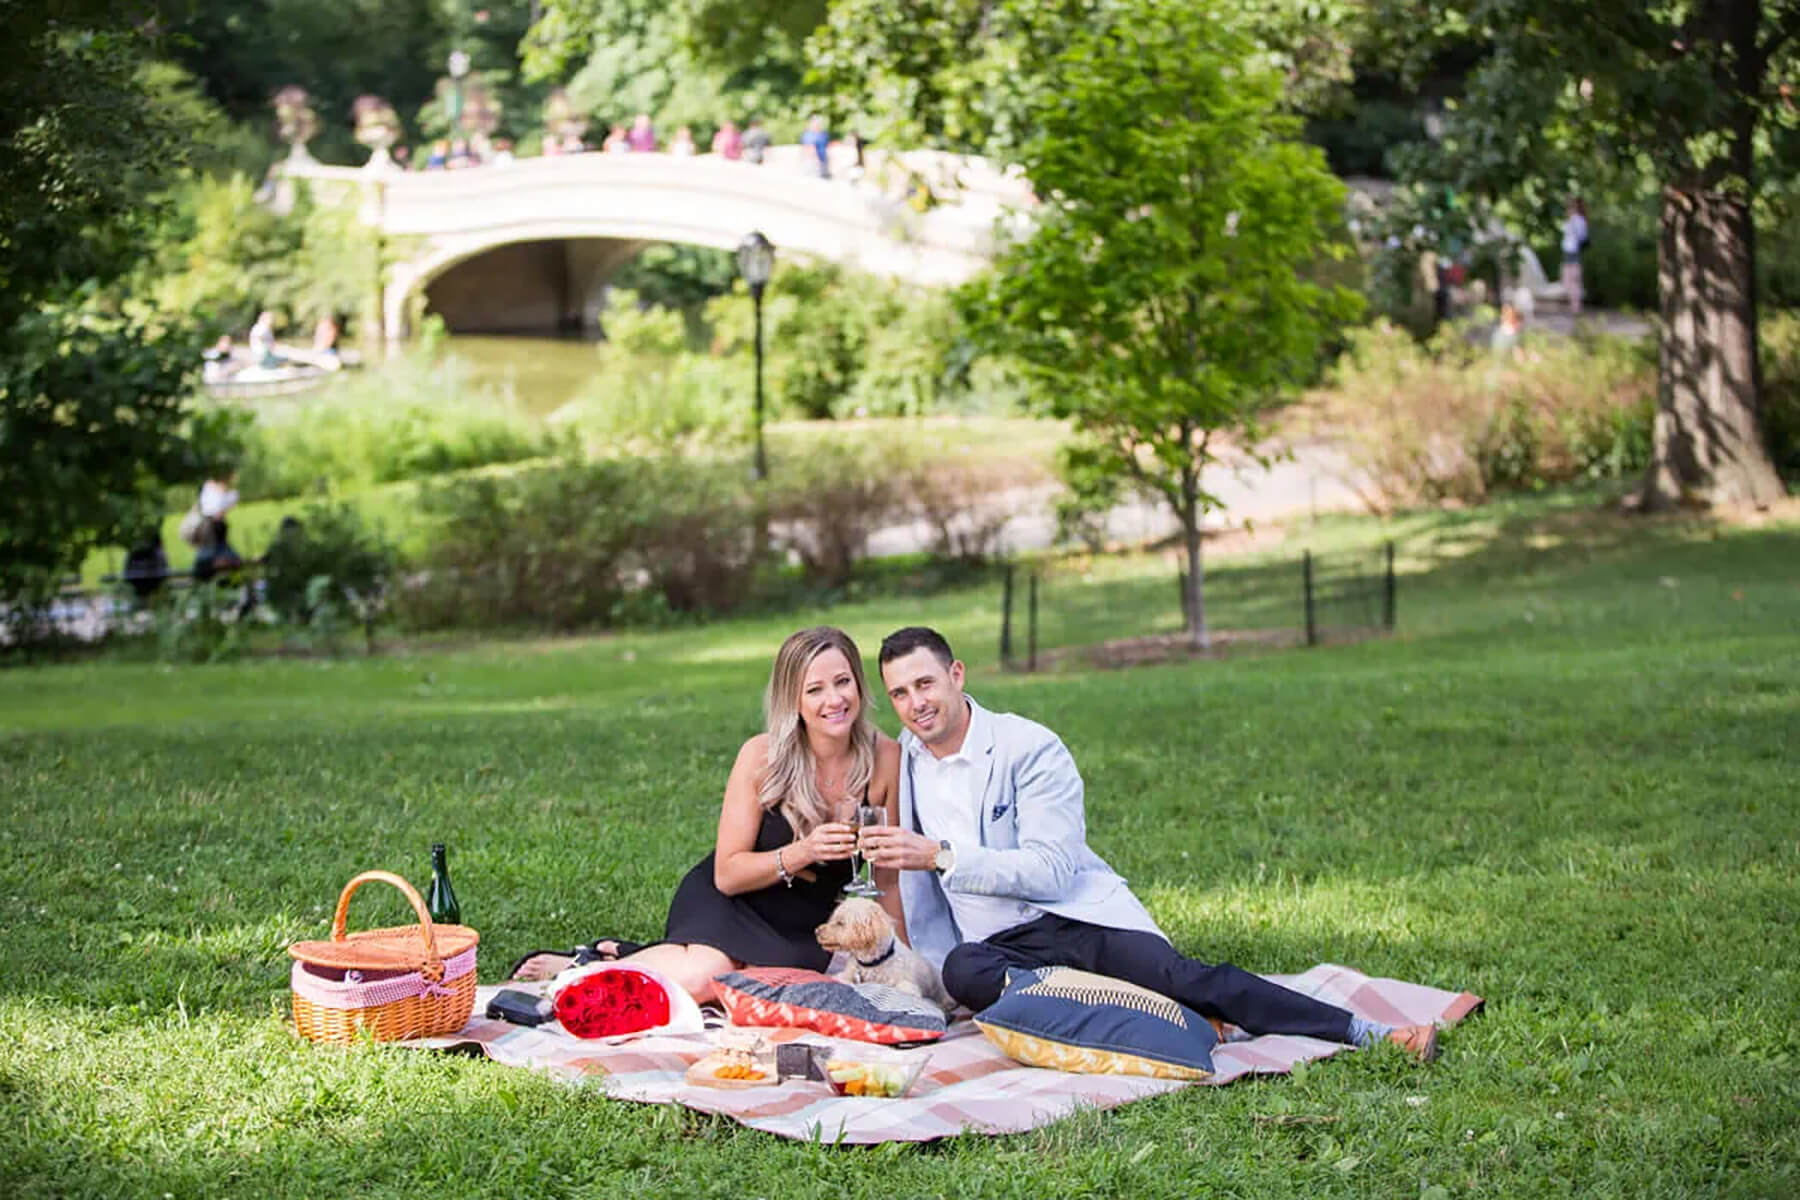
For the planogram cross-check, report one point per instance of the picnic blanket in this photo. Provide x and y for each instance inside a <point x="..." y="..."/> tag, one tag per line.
<point x="967" y="1087"/>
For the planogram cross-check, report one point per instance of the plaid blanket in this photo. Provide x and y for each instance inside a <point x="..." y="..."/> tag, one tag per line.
<point x="968" y="1086"/>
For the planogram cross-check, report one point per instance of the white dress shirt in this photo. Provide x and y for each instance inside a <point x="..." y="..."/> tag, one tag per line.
<point x="216" y="499"/>
<point x="1575" y="232"/>
<point x="947" y="795"/>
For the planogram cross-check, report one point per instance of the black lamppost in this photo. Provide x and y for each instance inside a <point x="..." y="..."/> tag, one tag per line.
<point x="459" y="67"/>
<point x="756" y="260"/>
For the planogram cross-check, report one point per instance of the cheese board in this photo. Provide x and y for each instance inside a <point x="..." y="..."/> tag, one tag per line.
<point x="740" y="1070"/>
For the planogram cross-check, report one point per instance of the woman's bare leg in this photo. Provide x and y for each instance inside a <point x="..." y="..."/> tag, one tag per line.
<point x="544" y="966"/>
<point x="692" y="967"/>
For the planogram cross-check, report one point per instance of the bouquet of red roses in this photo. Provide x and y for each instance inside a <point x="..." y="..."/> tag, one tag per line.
<point x="612" y="1003"/>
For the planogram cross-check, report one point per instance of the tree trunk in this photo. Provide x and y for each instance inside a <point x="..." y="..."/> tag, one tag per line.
<point x="1709" y="446"/>
<point x="1196" y="581"/>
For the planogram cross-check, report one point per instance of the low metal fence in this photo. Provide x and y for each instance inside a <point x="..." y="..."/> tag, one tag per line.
<point x="1052" y="611"/>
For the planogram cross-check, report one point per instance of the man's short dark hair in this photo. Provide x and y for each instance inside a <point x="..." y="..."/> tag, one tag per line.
<point x="903" y="642"/>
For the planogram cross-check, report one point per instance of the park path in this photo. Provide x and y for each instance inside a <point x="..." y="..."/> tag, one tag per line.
<point x="1311" y="480"/>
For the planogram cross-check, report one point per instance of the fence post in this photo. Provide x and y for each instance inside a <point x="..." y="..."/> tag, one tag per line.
<point x="1031" y="626"/>
<point x="1387" y="595"/>
<point x="1006" y="593"/>
<point x="1306" y="576"/>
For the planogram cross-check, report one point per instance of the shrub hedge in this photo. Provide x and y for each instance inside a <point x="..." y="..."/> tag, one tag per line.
<point x="1450" y="420"/>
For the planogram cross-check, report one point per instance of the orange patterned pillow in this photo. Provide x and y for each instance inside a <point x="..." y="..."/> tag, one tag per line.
<point x="863" y="1012"/>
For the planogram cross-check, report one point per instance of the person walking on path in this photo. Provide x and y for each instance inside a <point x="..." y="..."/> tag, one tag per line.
<point x="995" y="869"/>
<point x="1574" y="241"/>
<point x="818" y="139"/>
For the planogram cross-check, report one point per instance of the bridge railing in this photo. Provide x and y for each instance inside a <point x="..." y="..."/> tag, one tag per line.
<point x="867" y="219"/>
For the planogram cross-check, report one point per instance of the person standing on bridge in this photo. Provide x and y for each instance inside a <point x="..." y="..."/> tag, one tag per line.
<point x="728" y="142"/>
<point x="682" y="144"/>
<point x="642" y="137"/>
<point x="756" y="141"/>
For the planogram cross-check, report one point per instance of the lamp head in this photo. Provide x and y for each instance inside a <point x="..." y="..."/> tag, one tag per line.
<point x="756" y="260"/>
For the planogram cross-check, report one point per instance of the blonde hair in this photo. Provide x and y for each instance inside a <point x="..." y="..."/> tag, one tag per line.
<point x="790" y="782"/>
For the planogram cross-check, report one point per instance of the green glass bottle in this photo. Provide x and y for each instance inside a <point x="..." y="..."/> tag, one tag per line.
<point x="442" y="900"/>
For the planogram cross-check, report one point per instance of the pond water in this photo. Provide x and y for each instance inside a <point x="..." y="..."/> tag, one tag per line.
<point x="542" y="373"/>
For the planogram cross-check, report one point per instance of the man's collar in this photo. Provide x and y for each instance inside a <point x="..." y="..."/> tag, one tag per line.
<point x="978" y="738"/>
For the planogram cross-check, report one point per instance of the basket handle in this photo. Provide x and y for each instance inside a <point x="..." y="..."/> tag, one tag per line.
<point x="434" y="965"/>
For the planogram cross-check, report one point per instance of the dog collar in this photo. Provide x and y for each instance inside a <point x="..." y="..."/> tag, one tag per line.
<point x="876" y="962"/>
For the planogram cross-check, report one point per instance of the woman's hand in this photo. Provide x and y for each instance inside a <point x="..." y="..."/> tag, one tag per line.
<point x="828" y="842"/>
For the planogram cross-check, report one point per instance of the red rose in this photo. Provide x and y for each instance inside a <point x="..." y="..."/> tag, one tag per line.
<point x="612" y="1003"/>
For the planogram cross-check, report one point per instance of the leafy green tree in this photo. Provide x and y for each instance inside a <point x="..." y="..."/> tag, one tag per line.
<point x="1162" y="301"/>
<point x="690" y="62"/>
<point x="742" y="36"/>
<point x="244" y="51"/>
<point x="92" y="427"/>
<point x="965" y="74"/>
<point x="1697" y="97"/>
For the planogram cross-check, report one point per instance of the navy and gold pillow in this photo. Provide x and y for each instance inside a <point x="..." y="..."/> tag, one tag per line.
<point x="1077" y="1021"/>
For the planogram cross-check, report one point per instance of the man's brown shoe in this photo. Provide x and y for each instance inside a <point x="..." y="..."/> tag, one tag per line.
<point x="1420" y="1041"/>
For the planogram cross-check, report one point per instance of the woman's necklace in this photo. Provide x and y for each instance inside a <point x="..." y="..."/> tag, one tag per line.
<point x="831" y="783"/>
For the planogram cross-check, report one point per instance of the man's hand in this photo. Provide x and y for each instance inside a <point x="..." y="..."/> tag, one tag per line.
<point x="899" y="849"/>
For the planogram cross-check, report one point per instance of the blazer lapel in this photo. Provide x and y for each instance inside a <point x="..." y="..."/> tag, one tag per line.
<point x="991" y="809"/>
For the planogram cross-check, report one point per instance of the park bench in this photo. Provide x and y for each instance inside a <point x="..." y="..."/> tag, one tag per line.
<point x="148" y="583"/>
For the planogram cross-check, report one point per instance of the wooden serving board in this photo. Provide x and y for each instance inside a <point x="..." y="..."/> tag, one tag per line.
<point x="701" y="1074"/>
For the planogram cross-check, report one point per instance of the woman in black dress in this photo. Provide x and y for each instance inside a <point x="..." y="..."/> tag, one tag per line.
<point x="785" y="838"/>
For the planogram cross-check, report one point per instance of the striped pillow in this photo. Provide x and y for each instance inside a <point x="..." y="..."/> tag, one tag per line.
<point x="786" y="997"/>
<point x="1089" y="1024"/>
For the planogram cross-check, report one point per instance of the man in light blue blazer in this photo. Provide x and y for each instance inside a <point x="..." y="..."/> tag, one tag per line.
<point x="996" y="872"/>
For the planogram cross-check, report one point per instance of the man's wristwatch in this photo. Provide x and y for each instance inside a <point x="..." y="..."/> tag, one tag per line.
<point x="945" y="860"/>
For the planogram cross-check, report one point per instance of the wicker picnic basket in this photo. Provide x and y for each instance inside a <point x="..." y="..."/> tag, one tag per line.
<point x="402" y="982"/>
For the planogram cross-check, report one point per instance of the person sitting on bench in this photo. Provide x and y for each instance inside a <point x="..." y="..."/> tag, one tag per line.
<point x="146" y="565"/>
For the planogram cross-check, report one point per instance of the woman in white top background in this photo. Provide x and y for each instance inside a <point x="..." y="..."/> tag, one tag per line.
<point x="218" y="496"/>
<point x="1574" y="241"/>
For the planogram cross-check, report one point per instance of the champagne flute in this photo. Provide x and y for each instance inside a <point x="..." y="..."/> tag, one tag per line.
<point x="867" y="816"/>
<point x="845" y="812"/>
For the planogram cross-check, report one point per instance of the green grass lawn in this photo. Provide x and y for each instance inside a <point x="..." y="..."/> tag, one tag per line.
<point x="1568" y="785"/>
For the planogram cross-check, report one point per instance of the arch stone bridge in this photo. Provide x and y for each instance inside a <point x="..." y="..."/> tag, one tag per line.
<point x="530" y="245"/>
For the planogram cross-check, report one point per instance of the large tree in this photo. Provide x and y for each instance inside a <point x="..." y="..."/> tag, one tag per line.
<point x="92" y="426"/>
<point x="1164" y="298"/>
<point x="1698" y="94"/>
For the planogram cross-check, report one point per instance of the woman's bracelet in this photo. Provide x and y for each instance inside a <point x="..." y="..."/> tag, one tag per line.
<point x="781" y="868"/>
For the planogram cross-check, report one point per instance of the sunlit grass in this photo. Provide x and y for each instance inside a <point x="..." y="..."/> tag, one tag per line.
<point x="1566" y="784"/>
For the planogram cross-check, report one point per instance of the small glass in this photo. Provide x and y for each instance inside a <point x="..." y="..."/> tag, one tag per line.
<point x="862" y="882"/>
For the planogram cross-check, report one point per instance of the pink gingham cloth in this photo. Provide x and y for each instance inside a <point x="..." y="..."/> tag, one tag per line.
<point x="353" y="992"/>
<point x="968" y="1086"/>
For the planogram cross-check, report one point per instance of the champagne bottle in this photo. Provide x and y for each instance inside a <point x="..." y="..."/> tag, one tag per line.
<point x="442" y="901"/>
